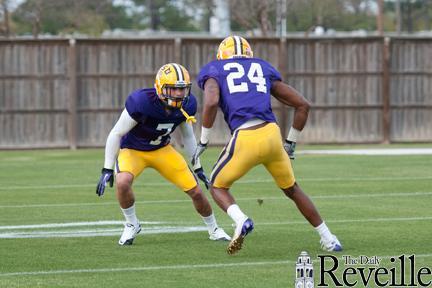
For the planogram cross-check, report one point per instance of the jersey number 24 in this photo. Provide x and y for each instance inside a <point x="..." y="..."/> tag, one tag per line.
<point x="237" y="71"/>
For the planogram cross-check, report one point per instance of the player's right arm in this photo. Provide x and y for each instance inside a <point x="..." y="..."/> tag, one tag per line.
<point x="210" y="108"/>
<point x="291" y="97"/>
<point x="112" y="146"/>
<point x="211" y="103"/>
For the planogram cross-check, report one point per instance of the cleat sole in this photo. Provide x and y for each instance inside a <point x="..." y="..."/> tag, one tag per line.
<point x="235" y="245"/>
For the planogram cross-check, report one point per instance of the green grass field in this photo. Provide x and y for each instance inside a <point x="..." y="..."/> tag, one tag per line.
<point x="376" y="205"/>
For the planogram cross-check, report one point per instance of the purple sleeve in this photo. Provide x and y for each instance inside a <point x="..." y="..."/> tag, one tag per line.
<point x="274" y="75"/>
<point x="208" y="71"/>
<point x="132" y="107"/>
<point x="193" y="106"/>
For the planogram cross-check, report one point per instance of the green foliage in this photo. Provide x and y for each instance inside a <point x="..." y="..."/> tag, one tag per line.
<point x="90" y="17"/>
<point x="335" y="14"/>
<point x="415" y="15"/>
<point x="168" y="15"/>
<point x="116" y="17"/>
<point x="94" y="16"/>
<point x="176" y="19"/>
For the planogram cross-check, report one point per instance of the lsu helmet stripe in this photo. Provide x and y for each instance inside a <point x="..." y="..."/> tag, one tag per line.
<point x="234" y="47"/>
<point x="179" y="72"/>
<point x="238" y="45"/>
<point x="241" y="46"/>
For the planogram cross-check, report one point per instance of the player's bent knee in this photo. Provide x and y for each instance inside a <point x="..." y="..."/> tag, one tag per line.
<point x="195" y="193"/>
<point x="123" y="186"/>
<point x="124" y="181"/>
<point x="289" y="192"/>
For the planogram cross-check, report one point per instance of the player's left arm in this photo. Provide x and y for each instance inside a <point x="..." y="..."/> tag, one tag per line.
<point x="291" y="97"/>
<point x="190" y="146"/>
<point x="189" y="143"/>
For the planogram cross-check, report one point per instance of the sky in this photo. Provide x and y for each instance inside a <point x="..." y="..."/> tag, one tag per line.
<point x="14" y="4"/>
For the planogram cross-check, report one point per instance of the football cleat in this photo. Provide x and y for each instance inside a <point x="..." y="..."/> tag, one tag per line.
<point x="240" y="233"/>
<point x="219" y="235"/>
<point x="234" y="47"/>
<point x="173" y="85"/>
<point x="129" y="233"/>
<point x="332" y="246"/>
<point x="289" y="147"/>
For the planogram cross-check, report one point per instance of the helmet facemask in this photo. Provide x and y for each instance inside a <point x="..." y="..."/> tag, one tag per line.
<point x="173" y="96"/>
<point x="173" y="85"/>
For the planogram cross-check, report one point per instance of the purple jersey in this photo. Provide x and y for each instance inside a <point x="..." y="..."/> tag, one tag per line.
<point x="155" y="123"/>
<point x="244" y="85"/>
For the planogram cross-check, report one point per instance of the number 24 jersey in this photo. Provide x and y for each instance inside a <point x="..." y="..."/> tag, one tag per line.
<point x="244" y="85"/>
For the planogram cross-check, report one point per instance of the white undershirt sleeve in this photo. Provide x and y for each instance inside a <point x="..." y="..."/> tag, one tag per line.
<point x="189" y="142"/>
<point x="123" y="126"/>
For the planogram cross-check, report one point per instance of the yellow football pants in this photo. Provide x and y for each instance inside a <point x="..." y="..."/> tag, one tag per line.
<point x="249" y="148"/>
<point x="166" y="160"/>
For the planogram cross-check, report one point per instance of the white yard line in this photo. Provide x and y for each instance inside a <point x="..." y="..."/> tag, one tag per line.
<point x="367" y="195"/>
<point x="170" y="267"/>
<point x="73" y="224"/>
<point x="396" y="219"/>
<point x="99" y="232"/>
<point x="268" y="180"/>
<point x="374" y="152"/>
<point x="15" y="232"/>
<point x="341" y="196"/>
<point x="149" y="268"/>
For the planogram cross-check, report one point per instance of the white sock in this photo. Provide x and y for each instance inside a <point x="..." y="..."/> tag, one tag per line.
<point x="293" y="134"/>
<point x="236" y="214"/>
<point x="130" y="216"/>
<point x="210" y="221"/>
<point x="324" y="231"/>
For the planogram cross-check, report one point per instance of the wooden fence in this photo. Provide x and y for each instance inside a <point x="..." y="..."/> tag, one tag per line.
<point x="69" y="93"/>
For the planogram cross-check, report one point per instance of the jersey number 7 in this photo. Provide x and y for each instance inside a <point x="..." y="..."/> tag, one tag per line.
<point x="255" y="75"/>
<point x="165" y="126"/>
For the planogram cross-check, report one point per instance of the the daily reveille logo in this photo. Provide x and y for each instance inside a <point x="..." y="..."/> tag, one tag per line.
<point x="360" y="271"/>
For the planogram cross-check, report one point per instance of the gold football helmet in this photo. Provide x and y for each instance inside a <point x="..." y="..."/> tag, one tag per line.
<point x="234" y="47"/>
<point x="172" y="85"/>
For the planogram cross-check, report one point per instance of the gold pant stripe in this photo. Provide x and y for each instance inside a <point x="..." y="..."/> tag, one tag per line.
<point x="223" y="159"/>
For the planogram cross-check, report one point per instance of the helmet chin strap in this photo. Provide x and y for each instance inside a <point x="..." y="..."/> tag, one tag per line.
<point x="189" y="119"/>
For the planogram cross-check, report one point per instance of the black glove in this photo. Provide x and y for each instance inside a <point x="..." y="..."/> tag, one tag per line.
<point x="290" y="148"/>
<point x="199" y="172"/>
<point x="198" y="151"/>
<point x="107" y="175"/>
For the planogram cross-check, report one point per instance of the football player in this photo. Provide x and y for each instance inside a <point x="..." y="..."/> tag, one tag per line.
<point x="141" y="139"/>
<point x="241" y="86"/>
